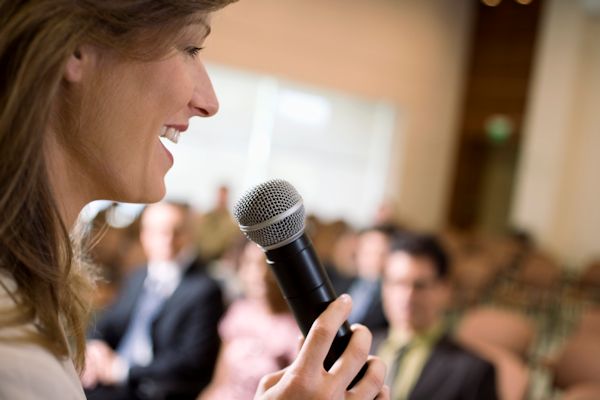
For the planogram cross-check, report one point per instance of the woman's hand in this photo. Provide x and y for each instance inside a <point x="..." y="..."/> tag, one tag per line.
<point x="306" y="378"/>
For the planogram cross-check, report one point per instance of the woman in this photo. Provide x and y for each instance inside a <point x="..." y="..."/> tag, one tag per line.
<point x="258" y="331"/>
<point x="87" y="88"/>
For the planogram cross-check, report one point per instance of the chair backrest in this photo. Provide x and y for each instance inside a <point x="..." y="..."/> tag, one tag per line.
<point x="589" y="323"/>
<point x="489" y="326"/>
<point x="471" y="276"/>
<point x="539" y="271"/>
<point x="590" y="276"/>
<point x="582" y="392"/>
<point x="578" y="362"/>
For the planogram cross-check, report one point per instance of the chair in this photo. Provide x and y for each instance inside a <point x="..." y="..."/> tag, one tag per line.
<point x="589" y="323"/>
<point x="578" y="362"/>
<point x="589" y="281"/>
<point x="472" y="276"/>
<point x="582" y="392"/>
<point x="539" y="271"/>
<point x="485" y="327"/>
<point x="538" y="279"/>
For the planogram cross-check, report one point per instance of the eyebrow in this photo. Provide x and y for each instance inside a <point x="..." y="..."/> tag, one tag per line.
<point x="204" y="22"/>
<point x="208" y="30"/>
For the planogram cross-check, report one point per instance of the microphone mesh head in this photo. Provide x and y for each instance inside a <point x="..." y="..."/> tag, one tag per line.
<point x="270" y="214"/>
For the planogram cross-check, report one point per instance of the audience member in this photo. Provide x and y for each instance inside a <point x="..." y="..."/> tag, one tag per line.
<point x="326" y="238"/>
<point x="259" y="333"/>
<point x="385" y="213"/>
<point x="365" y="289"/>
<point x="225" y="270"/>
<point x="423" y="361"/>
<point x="216" y="230"/>
<point x="344" y="254"/>
<point x="159" y="339"/>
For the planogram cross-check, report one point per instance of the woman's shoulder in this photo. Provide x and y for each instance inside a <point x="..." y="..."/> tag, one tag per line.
<point x="30" y="371"/>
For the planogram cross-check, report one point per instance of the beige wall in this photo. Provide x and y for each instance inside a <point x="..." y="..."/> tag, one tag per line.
<point x="413" y="53"/>
<point x="558" y="190"/>
<point x="410" y="52"/>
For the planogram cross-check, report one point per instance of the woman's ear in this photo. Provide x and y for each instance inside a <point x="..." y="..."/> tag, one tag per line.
<point x="74" y="67"/>
<point x="81" y="58"/>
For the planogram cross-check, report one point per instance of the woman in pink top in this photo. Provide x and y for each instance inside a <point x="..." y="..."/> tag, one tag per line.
<point x="259" y="333"/>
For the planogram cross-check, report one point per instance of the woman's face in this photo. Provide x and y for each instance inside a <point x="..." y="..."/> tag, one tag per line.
<point x="127" y="105"/>
<point x="252" y="272"/>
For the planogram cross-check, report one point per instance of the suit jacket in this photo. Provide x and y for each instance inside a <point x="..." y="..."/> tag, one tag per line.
<point x="373" y="318"/>
<point x="454" y="373"/>
<point x="184" y="335"/>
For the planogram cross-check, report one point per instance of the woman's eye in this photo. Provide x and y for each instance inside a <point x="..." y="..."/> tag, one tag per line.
<point x="193" y="51"/>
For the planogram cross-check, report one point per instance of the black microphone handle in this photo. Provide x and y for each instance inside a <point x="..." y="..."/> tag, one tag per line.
<point x="308" y="291"/>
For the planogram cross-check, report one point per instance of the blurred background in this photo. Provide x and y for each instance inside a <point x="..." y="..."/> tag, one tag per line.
<point x="473" y="119"/>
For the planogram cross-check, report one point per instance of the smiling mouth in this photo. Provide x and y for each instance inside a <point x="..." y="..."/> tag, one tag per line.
<point x="170" y="133"/>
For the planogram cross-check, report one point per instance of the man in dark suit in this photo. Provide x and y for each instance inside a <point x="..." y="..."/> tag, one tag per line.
<point x="159" y="340"/>
<point x="423" y="361"/>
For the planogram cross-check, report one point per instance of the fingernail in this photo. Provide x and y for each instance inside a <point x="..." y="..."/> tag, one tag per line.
<point x="345" y="298"/>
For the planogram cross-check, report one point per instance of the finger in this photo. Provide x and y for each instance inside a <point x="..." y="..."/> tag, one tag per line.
<point x="268" y="381"/>
<point x="354" y="356"/>
<point x="371" y="384"/>
<point x="321" y="334"/>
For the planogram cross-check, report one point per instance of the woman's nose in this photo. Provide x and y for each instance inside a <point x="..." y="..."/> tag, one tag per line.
<point x="204" y="101"/>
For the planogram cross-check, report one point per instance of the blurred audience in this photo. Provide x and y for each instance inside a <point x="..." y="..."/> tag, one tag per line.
<point x="216" y="230"/>
<point x="225" y="269"/>
<point x="510" y="271"/>
<point x="424" y="362"/>
<point x="259" y="333"/>
<point x="386" y="213"/>
<point x="365" y="289"/>
<point x="115" y="252"/>
<point x="159" y="339"/>
<point x="334" y="250"/>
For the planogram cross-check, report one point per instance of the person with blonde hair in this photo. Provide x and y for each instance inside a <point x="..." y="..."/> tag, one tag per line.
<point x="87" y="89"/>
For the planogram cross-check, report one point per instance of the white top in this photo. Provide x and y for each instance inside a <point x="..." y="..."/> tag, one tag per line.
<point x="29" y="371"/>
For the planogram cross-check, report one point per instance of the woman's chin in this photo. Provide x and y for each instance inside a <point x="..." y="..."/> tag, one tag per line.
<point x="149" y="194"/>
<point x="154" y="195"/>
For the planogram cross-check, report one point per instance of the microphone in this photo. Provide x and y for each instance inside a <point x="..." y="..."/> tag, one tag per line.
<point x="272" y="215"/>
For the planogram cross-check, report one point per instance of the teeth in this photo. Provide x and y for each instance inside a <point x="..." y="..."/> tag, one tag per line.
<point x="170" y="133"/>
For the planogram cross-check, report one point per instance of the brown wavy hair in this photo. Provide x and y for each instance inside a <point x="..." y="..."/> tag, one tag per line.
<point x="36" y="39"/>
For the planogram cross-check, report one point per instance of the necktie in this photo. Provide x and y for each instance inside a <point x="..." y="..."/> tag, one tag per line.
<point x="136" y="345"/>
<point x="395" y="367"/>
